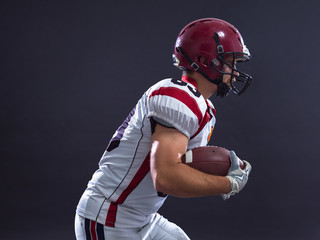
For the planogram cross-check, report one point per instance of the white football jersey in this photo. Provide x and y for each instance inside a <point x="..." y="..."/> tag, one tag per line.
<point x="121" y="192"/>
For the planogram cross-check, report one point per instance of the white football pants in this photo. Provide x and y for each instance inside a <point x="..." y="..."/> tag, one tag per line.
<point x="158" y="228"/>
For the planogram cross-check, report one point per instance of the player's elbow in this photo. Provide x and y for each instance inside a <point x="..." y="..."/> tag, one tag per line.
<point x="160" y="182"/>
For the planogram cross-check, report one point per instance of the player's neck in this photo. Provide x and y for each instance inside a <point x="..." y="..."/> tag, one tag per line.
<point x="206" y="88"/>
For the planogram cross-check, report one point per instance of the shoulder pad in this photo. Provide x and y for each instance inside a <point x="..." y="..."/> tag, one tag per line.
<point x="177" y="103"/>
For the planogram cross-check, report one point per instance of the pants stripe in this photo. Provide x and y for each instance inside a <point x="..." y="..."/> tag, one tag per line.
<point x="93" y="230"/>
<point x="100" y="231"/>
<point x="87" y="228"/>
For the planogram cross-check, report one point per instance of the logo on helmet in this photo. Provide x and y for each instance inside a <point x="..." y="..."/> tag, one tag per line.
<point x="176" y="61"/>
<point x="245" y="50"/>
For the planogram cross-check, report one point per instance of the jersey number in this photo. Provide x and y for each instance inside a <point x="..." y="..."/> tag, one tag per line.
<point x="191" y="88"/>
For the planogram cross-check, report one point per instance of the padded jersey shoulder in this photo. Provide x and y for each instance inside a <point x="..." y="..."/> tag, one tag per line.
<point x="178" y="103"/>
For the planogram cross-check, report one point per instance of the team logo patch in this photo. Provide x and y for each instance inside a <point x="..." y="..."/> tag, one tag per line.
<point x="209" y="136"/>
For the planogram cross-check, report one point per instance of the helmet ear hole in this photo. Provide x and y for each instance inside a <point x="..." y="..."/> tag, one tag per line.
<point x="203" y="60"/>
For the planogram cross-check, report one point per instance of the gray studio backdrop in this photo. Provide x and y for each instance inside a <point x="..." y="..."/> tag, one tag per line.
<point x="72" y="70"/>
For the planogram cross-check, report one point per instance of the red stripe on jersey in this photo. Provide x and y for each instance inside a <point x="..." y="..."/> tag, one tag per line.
<point x="93" y="230"/>
<point x="182" y="96"/>
<point x="111" y="215"/>
<point x="206" y="119"/>
<point x="212" y="109"/>
<point x="140" y="174"/>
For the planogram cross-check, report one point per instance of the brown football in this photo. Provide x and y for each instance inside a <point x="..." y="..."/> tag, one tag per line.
<point x="209" y="159"/>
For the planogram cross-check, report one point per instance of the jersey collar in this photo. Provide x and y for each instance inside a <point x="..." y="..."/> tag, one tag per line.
<point x="189" y="80"/>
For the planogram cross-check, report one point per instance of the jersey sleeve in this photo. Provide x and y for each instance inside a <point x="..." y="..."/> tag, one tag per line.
<point x="176" y="105"/>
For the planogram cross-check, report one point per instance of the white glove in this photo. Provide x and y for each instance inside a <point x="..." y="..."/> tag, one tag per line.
<point x="236" y="175"/>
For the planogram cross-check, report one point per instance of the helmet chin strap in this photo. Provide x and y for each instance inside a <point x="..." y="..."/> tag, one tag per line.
<point x="223" y="90"/>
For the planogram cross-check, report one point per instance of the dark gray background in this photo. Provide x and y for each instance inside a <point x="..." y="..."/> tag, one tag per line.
<point x="72" y="70"/>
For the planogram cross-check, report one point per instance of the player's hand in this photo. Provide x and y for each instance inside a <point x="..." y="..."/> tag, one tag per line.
<point x="236" y="175"/>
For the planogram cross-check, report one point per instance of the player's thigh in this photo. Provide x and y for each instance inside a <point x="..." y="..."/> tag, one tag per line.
<point x="79" y="228"/>
<point x="161" y="228"/>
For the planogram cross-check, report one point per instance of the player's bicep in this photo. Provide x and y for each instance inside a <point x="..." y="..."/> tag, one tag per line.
<point x="168" y="145"/>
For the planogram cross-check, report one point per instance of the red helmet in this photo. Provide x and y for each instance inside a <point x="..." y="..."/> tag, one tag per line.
<point x="215" y="40"/>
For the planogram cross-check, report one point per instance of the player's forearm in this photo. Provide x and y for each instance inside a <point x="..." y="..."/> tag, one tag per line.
<point x="173" y="177"/>
<point x="184" y="181"/>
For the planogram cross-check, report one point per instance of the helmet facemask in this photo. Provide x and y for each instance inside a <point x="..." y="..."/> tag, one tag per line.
<point x="239" y="81"/>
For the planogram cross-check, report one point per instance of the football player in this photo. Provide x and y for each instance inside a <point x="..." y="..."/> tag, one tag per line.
<point x="142" y="165"/>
